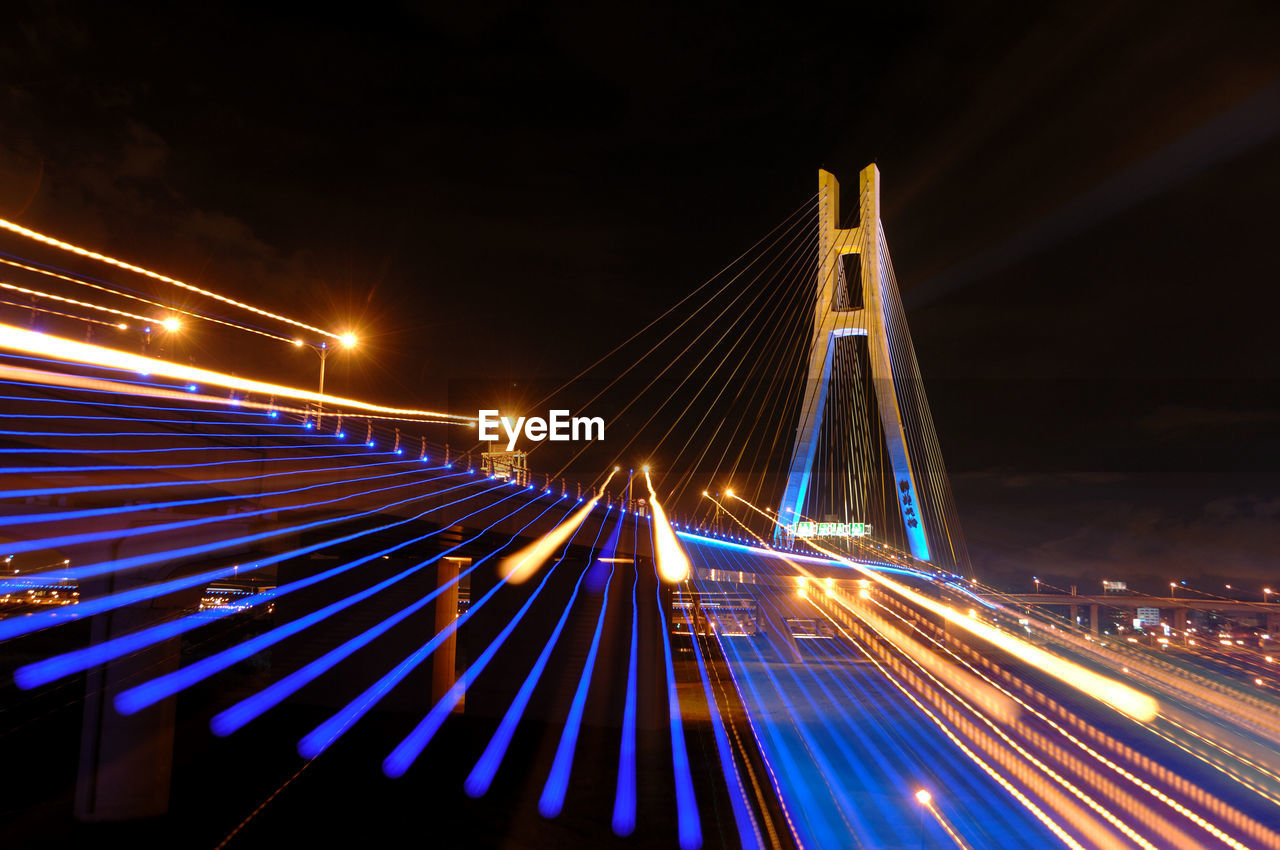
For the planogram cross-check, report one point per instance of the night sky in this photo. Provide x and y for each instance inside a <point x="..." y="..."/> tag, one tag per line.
<point x="1081" y="201"/>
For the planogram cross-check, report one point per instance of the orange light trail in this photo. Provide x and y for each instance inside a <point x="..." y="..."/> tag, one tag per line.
<point x="1119" y="696"/>
<point x="58" y="348"/>
<point x="673" y="563"/>
<point x="167" y="307"/>
<point x="117" y="325"/>
<point x="38" y="294"/>
<point x="522" y="565"/>
<point x="121" y="264"/>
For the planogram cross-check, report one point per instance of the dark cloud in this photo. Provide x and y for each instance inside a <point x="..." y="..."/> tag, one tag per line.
<point x="1150" y="529"/>
<point x="1198" y="420"/>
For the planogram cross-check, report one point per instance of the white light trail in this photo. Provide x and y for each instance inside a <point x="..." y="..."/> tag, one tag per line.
<point x="121" y="264"/>
<point x="49" y="295"/>
<point x="169" y="308"/>
<point x="58" y="348"/>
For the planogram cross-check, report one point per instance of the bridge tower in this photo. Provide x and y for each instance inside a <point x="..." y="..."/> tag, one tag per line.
<point x="837" y="314"/>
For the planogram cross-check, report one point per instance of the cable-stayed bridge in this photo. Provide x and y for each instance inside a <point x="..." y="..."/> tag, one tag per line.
<point x="237" y="612"/>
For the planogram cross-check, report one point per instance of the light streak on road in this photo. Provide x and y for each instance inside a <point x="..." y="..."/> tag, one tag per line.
<point x="1119" y="696"/>
<point x="486" y="767"/>
<point x="673" y="563"/>
<point x="408" y="750"/>
<point x="551" y="800"/>
<point x="323" y="736"/>
<point x="925" y="799"/>
<point x="235" y="717"/>
<point x="518" y="568"/>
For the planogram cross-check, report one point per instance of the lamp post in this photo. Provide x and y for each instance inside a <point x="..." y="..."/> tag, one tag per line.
<point x="348" y="341"/>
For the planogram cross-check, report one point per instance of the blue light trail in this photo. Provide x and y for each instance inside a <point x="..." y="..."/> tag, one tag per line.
<point x="886" y="746"/>
<point x="688" y="827"/>
<point x="352" y="451"/>
<point x="551" y="801"/>
<point x="322" y="737"/>
<point x="206" y="482"/>
<point x="55" y="667"/>
<point x="75" y="451"/>
<point x="103" y="567"/>
<point x="235" y="717"/>
<point x="24" y="625"/>
<point x="27" y="417"/>
<point x="624" y="802"/>
<point x="481" y="776"/>
<point x="748" y="831"/>
<point x="113" y="510"/>
<point x="175" y="435"/>
<point x="408" y="750"/>
<point x="141" y="696"/>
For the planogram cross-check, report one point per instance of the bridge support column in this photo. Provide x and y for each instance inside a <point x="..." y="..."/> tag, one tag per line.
<point x="444" y="661"/>
<point x="836" y="317"/>
<point x="1073" y="614"/>
<point x="126" y="760"/>
<point x="1273" y="624"/>
<point x="1095" y="612"/>
<point x="1180" y="619"/>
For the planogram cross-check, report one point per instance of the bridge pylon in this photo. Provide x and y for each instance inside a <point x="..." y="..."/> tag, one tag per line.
<point x="838" y="313"/>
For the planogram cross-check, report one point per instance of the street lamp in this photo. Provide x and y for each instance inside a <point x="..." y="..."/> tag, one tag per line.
<point x="1173" y="589"/>
<point x="1266" y="592"/>
<point x="348" y="340"/>
<point x="169" y="324"/>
